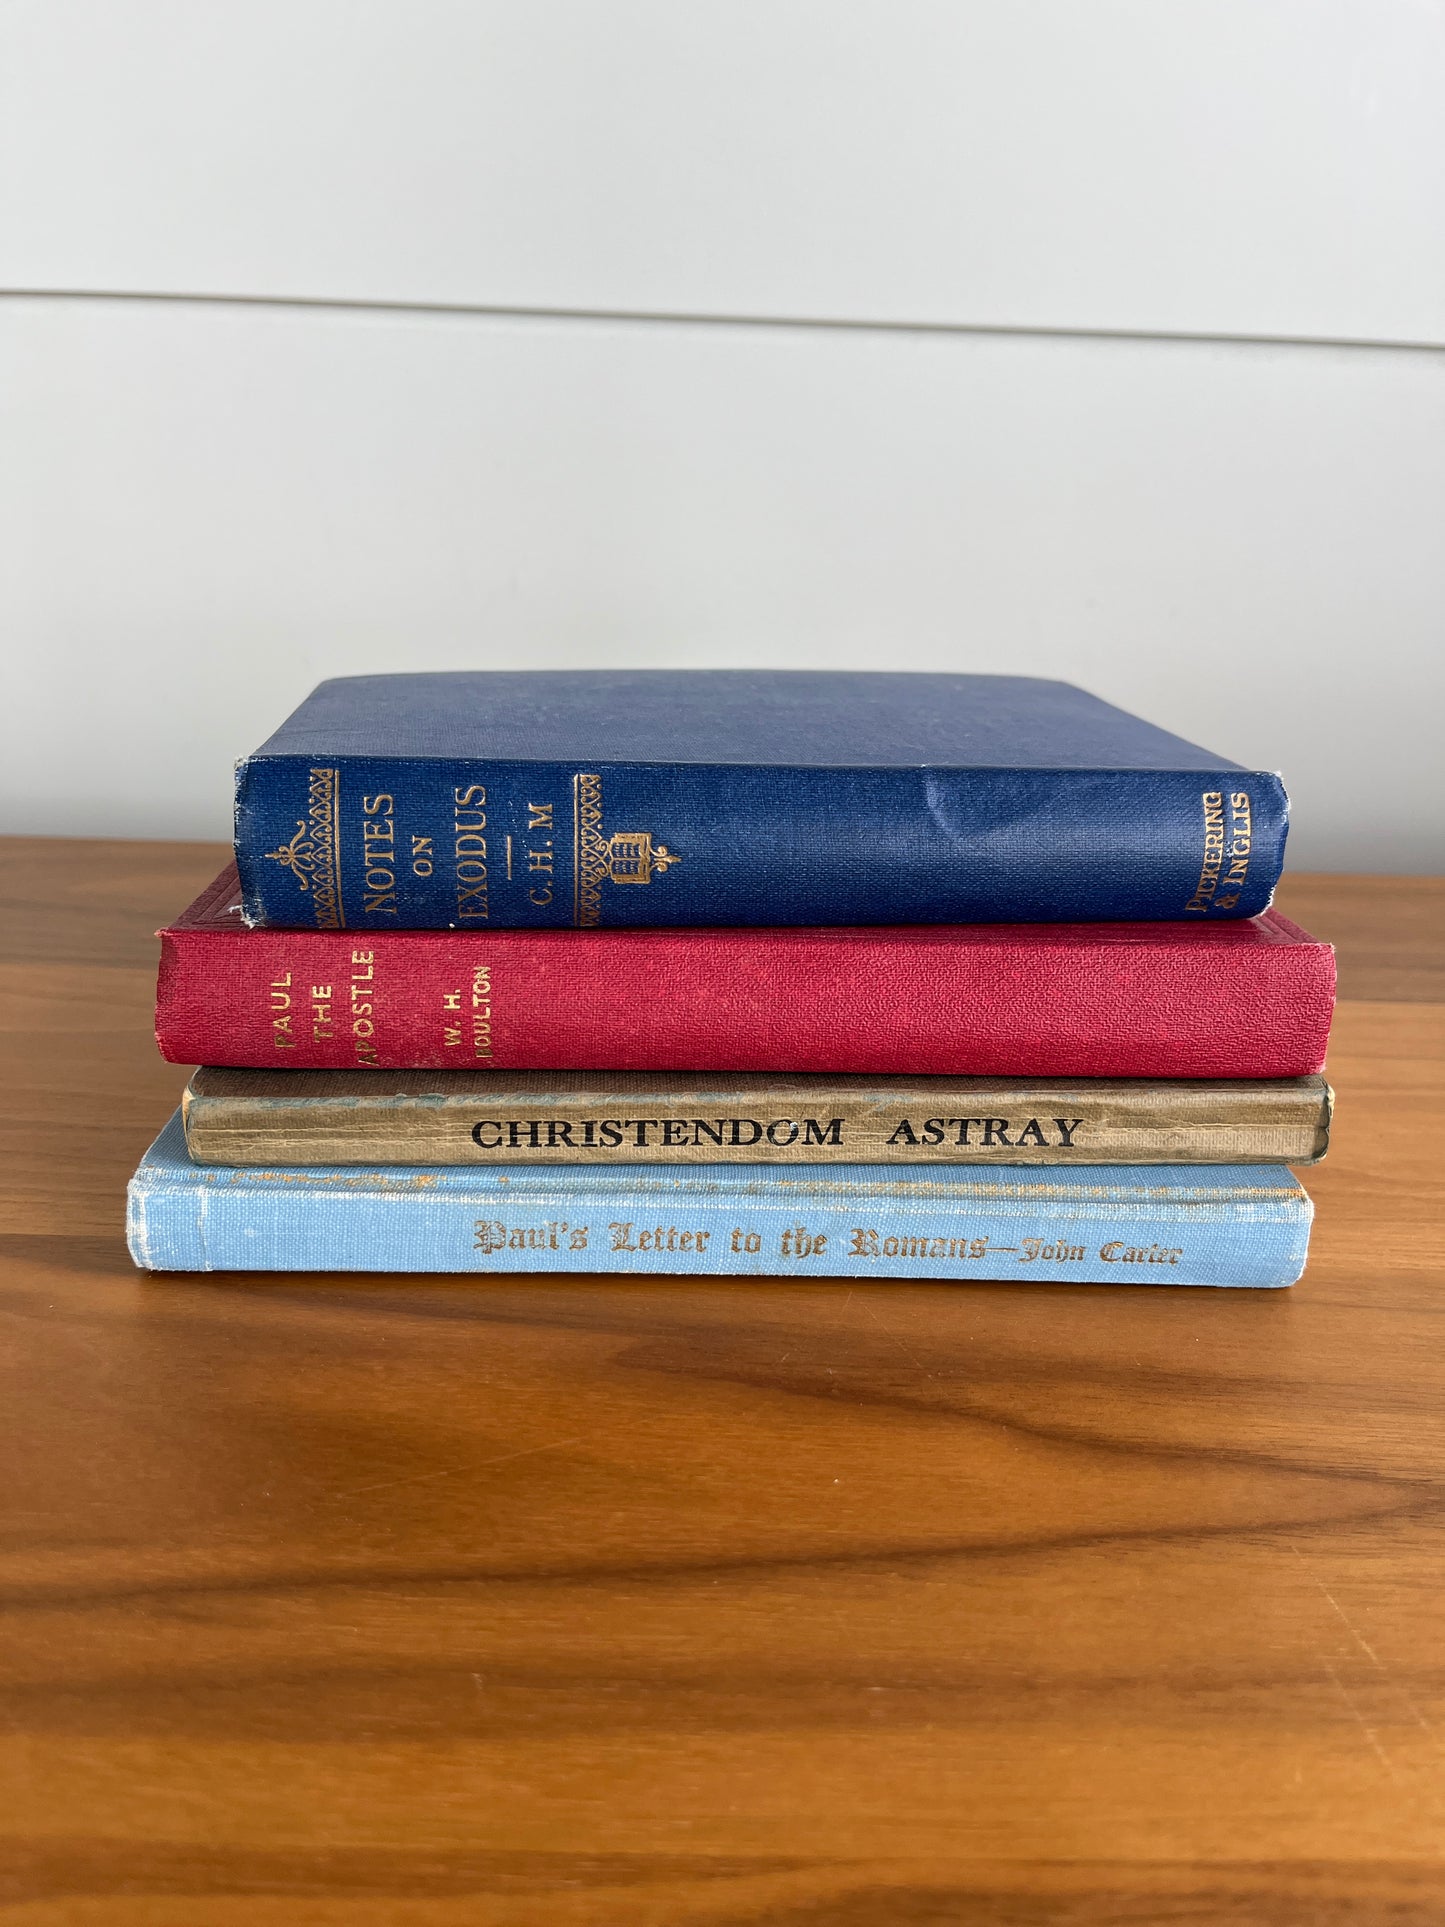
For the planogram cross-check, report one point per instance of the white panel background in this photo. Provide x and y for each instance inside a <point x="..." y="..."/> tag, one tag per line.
<point x="220" y="506"/>
<point x="1237" y="166"/>
<point x="207" y="505"/>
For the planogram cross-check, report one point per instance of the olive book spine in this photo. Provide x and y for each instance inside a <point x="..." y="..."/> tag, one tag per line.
<point x="672" y="1117"/>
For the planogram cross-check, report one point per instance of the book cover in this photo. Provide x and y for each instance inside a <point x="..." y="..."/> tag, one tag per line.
<point x="1228" y="999"/>
<point x="610" y="1117"/>
<point x="1165" y="1224"/>
<point x="645" y="798"/>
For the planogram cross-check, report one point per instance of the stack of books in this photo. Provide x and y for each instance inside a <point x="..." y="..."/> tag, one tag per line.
<point x="812" y="975"/>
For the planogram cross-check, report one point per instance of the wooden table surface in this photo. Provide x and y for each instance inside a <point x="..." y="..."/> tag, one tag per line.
<point x="590" y="1603"/>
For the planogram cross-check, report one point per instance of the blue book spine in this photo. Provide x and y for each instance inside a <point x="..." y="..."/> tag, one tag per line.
<point x="1207" y="1225"/>
<point x="430" y="843"/>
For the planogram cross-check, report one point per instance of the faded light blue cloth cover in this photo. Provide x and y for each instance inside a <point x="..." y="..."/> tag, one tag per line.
<point x="1116" y="1224"/>
<point x="513" y="800"/>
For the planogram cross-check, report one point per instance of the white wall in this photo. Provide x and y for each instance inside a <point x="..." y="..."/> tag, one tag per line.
<point x="210" y="504"/>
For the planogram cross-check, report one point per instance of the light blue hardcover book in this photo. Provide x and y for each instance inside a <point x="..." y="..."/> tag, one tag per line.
<point x="1149" y="1224"/>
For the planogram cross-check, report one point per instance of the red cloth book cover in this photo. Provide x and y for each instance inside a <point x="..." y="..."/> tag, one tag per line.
<point x="1234" y="999"/>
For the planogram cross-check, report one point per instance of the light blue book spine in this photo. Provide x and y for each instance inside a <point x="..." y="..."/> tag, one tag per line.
<point x="1121" y="1224"/>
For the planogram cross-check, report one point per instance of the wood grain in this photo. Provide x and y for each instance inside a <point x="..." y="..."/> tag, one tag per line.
<point x="602" y="1603"/>
<point x="1389" y="931"/>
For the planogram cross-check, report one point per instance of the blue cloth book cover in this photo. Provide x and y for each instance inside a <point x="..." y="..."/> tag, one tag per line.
<point x="1089" y="1224"/>
<point x="501" y="800"/>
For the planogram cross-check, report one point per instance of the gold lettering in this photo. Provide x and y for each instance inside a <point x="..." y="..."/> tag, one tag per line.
<point x="1212" y="802"/>
<point x="481" y="1012"/>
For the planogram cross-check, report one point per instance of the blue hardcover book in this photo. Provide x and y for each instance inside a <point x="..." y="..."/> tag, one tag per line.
<point x="1097" y="1224"/>
<point x="635" y="797"/>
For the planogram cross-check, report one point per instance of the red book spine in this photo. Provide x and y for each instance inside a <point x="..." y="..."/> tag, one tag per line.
<point x="1150" y="1000"/>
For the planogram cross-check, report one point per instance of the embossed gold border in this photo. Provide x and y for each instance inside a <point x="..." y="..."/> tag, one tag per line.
<point x="589" y="852"/>
<point x="576" y="850"/>
<point x="320" y="891"/>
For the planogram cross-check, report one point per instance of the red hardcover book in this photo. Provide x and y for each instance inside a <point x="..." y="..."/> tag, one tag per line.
<point x="1229" y="999"/>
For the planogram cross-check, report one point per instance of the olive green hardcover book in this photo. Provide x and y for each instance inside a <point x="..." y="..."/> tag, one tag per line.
<point x="254" y="1118"/>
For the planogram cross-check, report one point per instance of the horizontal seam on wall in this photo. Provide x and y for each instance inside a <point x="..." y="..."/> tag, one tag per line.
<point x="495" y="311"/>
